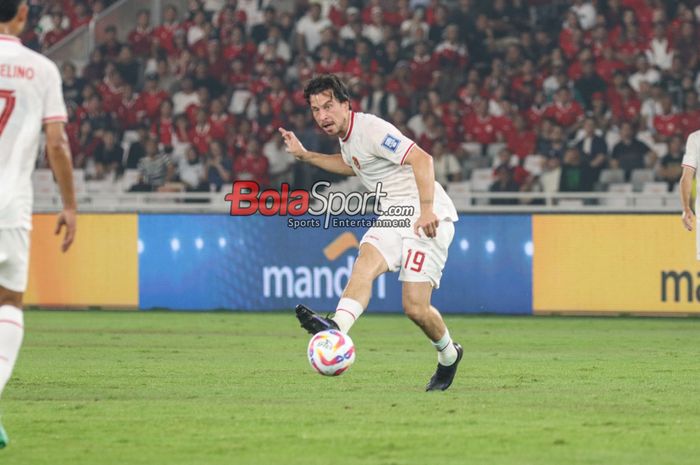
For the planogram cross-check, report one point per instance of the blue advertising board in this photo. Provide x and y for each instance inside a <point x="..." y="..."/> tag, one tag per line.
<point x="203" y="262"/>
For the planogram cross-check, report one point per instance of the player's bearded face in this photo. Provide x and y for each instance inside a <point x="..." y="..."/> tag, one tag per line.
<point x="330" y="114"/>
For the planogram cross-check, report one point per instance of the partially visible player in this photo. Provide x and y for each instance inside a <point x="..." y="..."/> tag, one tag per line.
<point x="377" y="152"/>
<point x="31" y="97"/>
<point x="691" y="160"/>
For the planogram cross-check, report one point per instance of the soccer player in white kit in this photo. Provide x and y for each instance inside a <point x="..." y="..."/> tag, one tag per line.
<point x="691" y="160"/>
<point x="31" y="97"/>
<point x="377" y="152"/>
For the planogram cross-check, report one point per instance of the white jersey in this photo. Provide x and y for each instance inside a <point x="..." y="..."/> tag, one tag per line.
<point x="691" y="158"/>
<point x="30" y="95"/>
<point x="376" y="151"/>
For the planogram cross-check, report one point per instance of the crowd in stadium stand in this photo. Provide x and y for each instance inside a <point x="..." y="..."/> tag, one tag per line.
<point x="51" y="21"/>
<point x="542" y="96"/>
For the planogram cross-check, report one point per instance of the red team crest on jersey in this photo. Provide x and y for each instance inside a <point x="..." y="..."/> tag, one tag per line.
<point x="356" y="162"/>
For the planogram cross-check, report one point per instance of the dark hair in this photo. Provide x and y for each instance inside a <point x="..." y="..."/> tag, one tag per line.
<point x="9" y="9"/>
<point x="327" y="82"/>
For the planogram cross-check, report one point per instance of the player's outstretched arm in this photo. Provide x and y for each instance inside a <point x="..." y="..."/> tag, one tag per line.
<point x="422" y="164"/>
<point x="58" y="153"/>
<point x="686" y="194"/>
<point x="333" y="163"/>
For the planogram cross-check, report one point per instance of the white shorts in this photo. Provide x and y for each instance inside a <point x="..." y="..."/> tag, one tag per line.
<point x="14" y="259"/>
<point x="418" y="259"/>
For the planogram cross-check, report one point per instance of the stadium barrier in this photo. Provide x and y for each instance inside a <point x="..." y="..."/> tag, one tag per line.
<point x="499" y="263"/>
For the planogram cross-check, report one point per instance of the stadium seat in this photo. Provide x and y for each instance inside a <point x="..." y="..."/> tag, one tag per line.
<point x="460" y="193"/>
<point x="79" y="181"/>
<point x="620" y="188"/>
<point x="101" y="187"/>
<point x="641" y="176"/>
<point x="610" y="176"/>
<point x="481" y="179"/>
<point x="653" y="188"/>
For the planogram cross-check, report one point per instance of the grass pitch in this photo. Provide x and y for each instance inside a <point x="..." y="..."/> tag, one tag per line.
<point x="229" y="388"/>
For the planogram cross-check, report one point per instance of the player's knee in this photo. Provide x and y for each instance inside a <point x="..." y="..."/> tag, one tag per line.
<point x="366" y="270"/>
<point x="414" y="309"/>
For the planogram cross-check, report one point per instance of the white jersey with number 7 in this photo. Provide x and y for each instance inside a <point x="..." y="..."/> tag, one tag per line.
<point x="30" y="95"/>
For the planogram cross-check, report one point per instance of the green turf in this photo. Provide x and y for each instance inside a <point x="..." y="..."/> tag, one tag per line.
<point x="225" y="388"/>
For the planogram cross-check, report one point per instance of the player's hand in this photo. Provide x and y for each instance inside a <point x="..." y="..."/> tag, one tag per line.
<point x="688" y="219"/>
<point x="428" y="222"/>
<point x="293" y="144"/>
<point x="66" y="218"/>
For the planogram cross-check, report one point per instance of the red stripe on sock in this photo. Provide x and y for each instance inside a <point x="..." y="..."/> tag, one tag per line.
<point x="12" y="323"/>
<point x="5" y="359"/>
<point x="347" y="311"/>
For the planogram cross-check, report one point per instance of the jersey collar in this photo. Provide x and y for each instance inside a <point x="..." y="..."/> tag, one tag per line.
<point x="352" y="123"/>
<point x="9" y="38"/>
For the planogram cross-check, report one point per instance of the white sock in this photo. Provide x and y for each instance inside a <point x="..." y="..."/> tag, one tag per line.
<point x="347" y="312"/>
<point x="447" y="354"/>
<point x="11" y="332"/>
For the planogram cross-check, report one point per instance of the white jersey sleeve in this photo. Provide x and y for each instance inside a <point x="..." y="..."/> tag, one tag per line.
<point x="692" y="150"/>
<point x="54" y="106"/>
<point x="386" y="141"/>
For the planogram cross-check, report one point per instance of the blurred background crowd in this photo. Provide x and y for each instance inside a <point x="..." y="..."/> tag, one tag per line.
<point x="510" y="95"/>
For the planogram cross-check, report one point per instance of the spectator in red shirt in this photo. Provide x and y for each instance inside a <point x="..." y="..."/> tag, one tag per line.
<point x="564" y="110"/>
<point x="150" y="98"/>
<point x="668" y="122"/>
<point x="521" y="140"/>
<point x="328" y="61"/>
<point x="200" y="134"/>
<point x="80" y="15"/>
<point x="127" y="116"/>
<point x="57" y="33"/>
<point x="690" y="118"/>
<point x="607" y="65"/>
<point x="252" y="165"/>
<point x="164" y="128"/>
<point x="422" y="66"/>
<point x="164" y="34"/>
<point x="239" y="47"/>
<point x="363" y="65"/>
<point x="219" y="120"/>
<point x="140" y="38"/>
<point x="433" y="132"/>
<point x="630" y="45"/>
<point x="338" y="13"/>
<point x="203" y="100"/>
<point x="111" y="88"/>
<point x="628" y="106"/>
<point x="450" y="54"/>
<point x="479" y="127"/>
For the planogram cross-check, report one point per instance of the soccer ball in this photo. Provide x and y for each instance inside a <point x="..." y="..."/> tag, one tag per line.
<point x="331" y="352"/>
